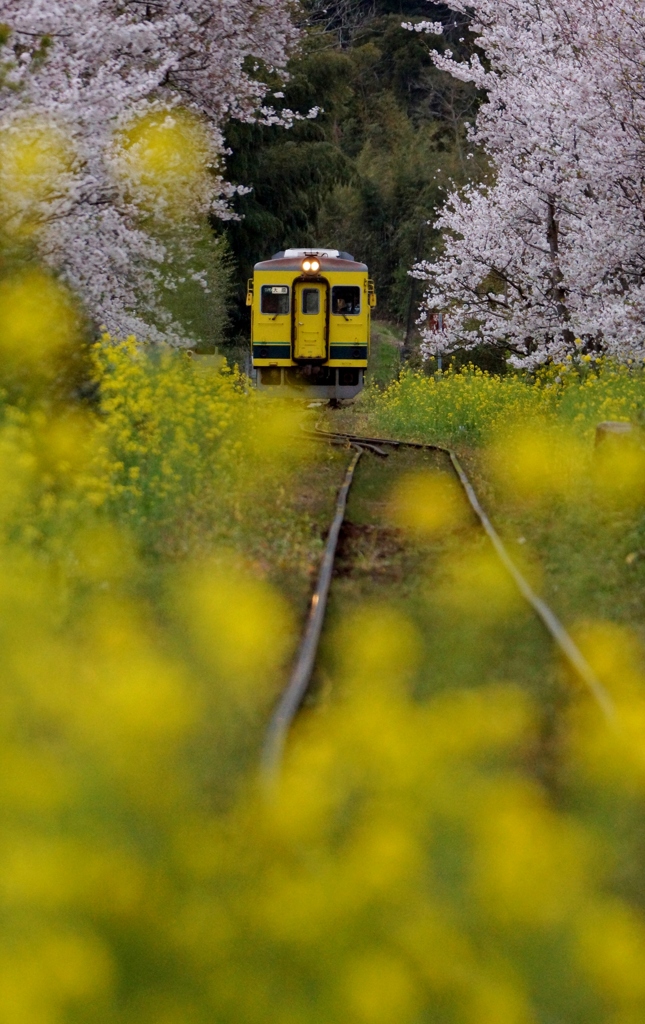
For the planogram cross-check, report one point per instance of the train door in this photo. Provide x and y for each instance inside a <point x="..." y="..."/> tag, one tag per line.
<point x="310" y="308"/>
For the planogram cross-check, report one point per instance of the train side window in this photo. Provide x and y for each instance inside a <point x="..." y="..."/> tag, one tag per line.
<point x="274" y="299"/>
<point x="311" y="300"/>
<point x="346" y="300"/>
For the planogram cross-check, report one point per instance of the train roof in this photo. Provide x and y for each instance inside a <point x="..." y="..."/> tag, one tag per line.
<point x="330" y="260"/>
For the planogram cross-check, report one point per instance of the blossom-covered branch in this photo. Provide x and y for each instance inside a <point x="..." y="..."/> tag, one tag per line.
<point x="552" y="249"/>
<point x="77" y="75"/>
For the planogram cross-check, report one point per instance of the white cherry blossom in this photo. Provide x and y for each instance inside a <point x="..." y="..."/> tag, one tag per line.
<point x="552" y="248"/>
<point x="82" y="70"/>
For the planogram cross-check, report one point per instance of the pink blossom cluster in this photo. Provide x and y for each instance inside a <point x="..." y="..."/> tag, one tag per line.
<point x="86" y="68"/>
<point x="548" y="256"/>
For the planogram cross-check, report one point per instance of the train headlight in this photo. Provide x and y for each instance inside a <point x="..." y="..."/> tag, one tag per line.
<point x="311" y="266"/>
<point x="306" y="265"/>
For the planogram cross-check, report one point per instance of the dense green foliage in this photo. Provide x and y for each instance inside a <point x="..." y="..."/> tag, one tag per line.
<point x="369" y="172"/>
<point x="199" y="300"/>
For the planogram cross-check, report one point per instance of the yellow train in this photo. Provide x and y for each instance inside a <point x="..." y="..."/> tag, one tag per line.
<point x="310" y="322"/>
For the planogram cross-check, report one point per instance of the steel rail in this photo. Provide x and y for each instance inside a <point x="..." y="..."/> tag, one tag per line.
<point x="570" y="650"/>
<point x="300" y="679"/>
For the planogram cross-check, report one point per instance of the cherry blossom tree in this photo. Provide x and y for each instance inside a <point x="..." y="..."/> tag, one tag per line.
<point x="110" y="107"/>
<point x="548" y="255"/>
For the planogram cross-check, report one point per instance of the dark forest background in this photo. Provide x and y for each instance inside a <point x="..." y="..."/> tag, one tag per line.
<point x="369" y="172"/>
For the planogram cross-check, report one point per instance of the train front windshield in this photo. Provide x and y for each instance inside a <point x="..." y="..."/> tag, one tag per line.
<point x="274" y="300"/>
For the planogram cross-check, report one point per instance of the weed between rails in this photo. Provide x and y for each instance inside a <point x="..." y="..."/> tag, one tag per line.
<point x="369" y="549"/>
<point x="410" y="869"/>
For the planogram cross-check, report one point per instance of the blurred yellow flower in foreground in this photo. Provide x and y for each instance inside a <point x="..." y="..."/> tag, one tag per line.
<point x="241" y="626"/>
<point x="611" y="950"/>
<point x="427" y="503"/>
<point x="35" y="161"/>
<point x="613" y="757"/>
<point x="163" y="158"/>
<point x="519" y="837"/>
<point x="42" y="351"/>
<point x="380" y="989"/>
<point x="38" y="320"/>
<point x="477" y="585"/>
<point x="615" y="655"/>
<point x="279" y="434"/>
<point x="619" y="470"/>
<point x="532" y="463"/>
<point x="377" y="644"/>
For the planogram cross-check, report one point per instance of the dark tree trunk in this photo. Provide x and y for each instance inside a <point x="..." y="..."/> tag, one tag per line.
<point x="558" y="290"/>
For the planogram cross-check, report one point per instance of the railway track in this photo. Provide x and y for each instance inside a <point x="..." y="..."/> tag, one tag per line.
<point x="299" y="682"/>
